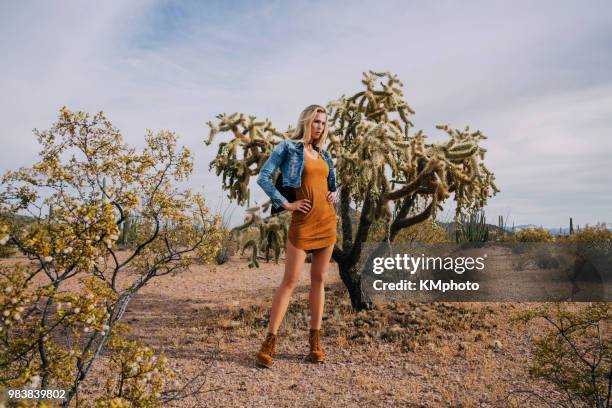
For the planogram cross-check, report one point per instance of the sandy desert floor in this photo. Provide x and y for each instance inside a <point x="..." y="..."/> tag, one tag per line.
<point x="211" y="320"/>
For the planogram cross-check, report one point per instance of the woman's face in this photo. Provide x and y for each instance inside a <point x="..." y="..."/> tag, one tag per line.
<point x="318" y="126"/>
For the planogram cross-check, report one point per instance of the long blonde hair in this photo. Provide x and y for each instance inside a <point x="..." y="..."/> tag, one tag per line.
<point x="305" y="121"/>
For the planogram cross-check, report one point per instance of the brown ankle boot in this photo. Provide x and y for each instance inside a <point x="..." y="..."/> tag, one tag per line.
<point x="316" y="352"/>
<point x="264" y="357"/>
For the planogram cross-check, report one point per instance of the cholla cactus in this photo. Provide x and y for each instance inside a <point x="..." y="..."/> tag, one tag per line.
<point x="255" y="139"/>
<point x="272" y="233"/>
<point x="394" y="175"/>
<point x="238" y="160"/>
<point x="373" y="127"/>
<point x="387" y="172"/>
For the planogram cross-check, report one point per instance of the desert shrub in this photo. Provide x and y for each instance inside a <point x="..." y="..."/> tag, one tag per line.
<point x="6" y="251"/>
<point x="227" y="246"/>
<point x="533" y="235"/>
<point x="53" y="331"/>
<point x="597" y="233"/>
<point x="575" y="354"/>
<point x="136" y="376"/>
<point x="593" y="247"/>
<point x="222" y="255"/>
<point x="428" y="231"/>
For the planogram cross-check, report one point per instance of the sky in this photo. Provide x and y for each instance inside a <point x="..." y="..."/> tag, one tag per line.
<point x="535" y="77"/>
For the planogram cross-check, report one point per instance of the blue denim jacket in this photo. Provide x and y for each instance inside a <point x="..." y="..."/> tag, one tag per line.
<point x="289" y="156"/>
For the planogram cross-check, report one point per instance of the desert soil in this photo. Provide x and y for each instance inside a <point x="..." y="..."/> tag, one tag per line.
<point x="211" y="320"/>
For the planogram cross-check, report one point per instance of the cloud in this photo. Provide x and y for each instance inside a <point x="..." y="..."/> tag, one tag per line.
<point x="534" y="77"/>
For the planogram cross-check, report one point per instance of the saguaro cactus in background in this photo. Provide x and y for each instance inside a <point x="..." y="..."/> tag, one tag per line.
<point x="382" y="169"/>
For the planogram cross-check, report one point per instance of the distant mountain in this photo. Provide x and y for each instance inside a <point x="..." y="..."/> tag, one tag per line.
<point x="525" y="226"/>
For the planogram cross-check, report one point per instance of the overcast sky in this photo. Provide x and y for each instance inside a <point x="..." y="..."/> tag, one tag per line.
<point x="536" y="77"/>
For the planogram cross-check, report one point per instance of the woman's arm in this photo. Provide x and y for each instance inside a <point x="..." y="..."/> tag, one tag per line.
<point x="264" y="179"/>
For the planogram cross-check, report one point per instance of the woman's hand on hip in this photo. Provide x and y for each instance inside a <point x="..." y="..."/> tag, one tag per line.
<point x="332" y="196"/>
<point x="299" y="205"/>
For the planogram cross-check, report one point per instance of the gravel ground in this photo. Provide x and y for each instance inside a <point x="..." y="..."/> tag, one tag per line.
<point x="210" y="321"/>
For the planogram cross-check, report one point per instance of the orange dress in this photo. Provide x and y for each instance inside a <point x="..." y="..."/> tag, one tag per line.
<point x="317" y="228"/>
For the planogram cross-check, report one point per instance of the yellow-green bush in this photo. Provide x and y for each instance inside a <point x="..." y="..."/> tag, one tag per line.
<point x="52" y="331"/>
<point x="575" y="354"/>
<point x="137" y="376"/>
<point x="597" y="233"/>
<point x="533" y="235"/>
<point x="227" y="247"/>
<point x="427" y="231"/>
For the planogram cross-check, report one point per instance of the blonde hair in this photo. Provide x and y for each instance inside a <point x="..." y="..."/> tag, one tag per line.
<point x="304" y="123"/>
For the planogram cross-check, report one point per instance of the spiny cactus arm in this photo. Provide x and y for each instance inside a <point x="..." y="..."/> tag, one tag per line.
<point x="282" y="135"/>
<point x="227" y="123"/>
<point x="431" y="186"/>
<point x="213" y="132"/>
<point x="277" y="252"/>
<point x="257" y="157"/>
<point x="266" y="245"/>
<point x="334" y="146"/>
<point x="256" y="141"/>
<point x="274" y="240"/>
<point x="243" y="137"/>
<point x="415" y="184"/>
<point x="265" y="206"/>
<point x="354" y="97"/>
<point x="250" y="221"/>
<point x="262" y="235"/>
<point x="253" y="245"/>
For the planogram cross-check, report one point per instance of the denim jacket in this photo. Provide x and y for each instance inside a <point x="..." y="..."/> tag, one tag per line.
<point x="289" y="156"/>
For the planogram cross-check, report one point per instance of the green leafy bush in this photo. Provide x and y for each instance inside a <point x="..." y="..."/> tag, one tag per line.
<point x="575" y="354"/>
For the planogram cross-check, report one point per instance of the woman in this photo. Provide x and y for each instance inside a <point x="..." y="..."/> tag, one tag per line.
<point x="306" y="168"/>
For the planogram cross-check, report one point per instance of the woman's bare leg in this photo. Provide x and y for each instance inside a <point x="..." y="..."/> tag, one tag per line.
<point x="320" y="262"/>
<point x="293" y="266"/>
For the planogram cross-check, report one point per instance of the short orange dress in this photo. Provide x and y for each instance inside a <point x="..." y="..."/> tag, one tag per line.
<point x="317" y="228"/>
